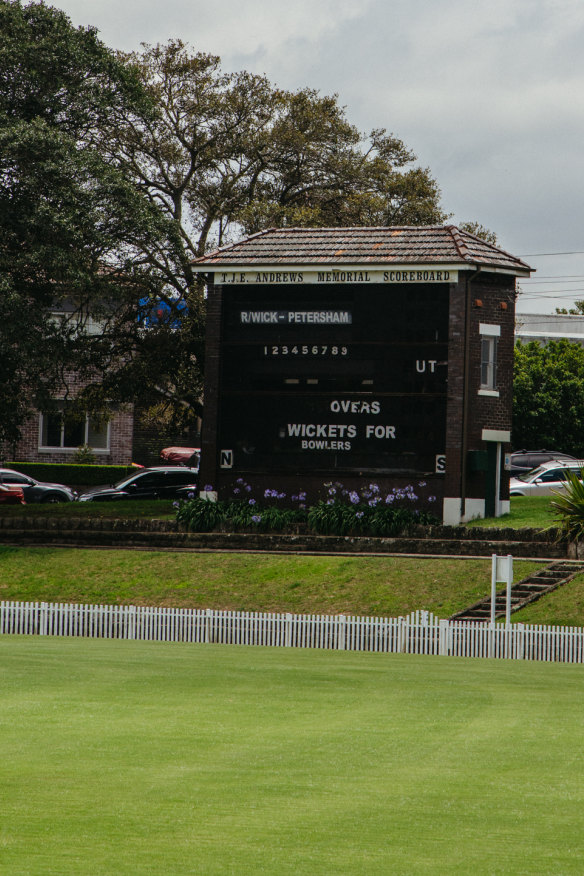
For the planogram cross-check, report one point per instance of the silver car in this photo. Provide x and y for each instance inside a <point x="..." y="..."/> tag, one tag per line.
<point x="542" y="480"/>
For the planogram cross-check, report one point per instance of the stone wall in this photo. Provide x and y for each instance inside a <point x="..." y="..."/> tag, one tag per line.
<point x="166" y="535"/>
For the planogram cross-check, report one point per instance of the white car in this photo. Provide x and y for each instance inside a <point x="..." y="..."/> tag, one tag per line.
<point x="542" y="480"/>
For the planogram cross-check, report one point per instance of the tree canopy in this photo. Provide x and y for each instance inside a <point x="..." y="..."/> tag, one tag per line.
<point x="548" y="403"/>
<point x="73" y="228"/>
<point x="230" y="153"/>
<point x="117" y="170"/>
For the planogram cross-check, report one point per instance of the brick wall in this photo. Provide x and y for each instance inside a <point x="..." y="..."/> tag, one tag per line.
<point x="488" y="299"/>
<point x="120" y="439"/>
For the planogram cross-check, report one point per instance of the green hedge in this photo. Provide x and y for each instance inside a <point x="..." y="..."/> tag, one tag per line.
<point x="73" y="475"/>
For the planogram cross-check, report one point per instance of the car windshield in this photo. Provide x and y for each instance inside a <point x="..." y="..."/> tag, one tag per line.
<point x="531" y="475"/>
<point x="124" y="482"/>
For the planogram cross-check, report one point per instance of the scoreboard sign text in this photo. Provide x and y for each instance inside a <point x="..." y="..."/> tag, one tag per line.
<point x="345" y="378"/>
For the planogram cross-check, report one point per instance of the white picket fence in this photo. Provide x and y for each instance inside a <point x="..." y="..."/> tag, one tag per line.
<point x="420" y="633"/>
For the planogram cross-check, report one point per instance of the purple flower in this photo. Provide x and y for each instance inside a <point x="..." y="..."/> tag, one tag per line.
<point x="389" y="498"/>
<point x="190" y="495"/>
<point x="248" y="488"/>
<point x="236" y="490"/>
<point x="256" y="517"/>
<point x="431" y="498"/>
<point x="359" y="514"/>
<point x="239" y="481"/>
<point x="330" y="501"/>
<point x="208" y="488"/>
<point x="374" y="488"/>
<point x="175" y="505"/>
<point x="280" y="495"/>
<point x="268" y="494"/>
<point x="252" y="502"/>
<point x="422" y="484"/>
<point x="302" y="496"/>
<point x="354" y="497"/>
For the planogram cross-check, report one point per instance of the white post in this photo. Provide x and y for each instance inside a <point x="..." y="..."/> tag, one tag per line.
<point x="508" y="601"/>
<point x="493" y="586"/>
<point x="498" y="481"/>
<point x="443" y="627"/>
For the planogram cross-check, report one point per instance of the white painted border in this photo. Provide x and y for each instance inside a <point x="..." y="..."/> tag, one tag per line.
<point x="234" y="275"/>
<point x="491" y="331"/>
<point x="501" y="435"/>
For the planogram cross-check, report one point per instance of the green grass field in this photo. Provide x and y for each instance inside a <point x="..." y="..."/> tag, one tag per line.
<point x="133" y="758"/>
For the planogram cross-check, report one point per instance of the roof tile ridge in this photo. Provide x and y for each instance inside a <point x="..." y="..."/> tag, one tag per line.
<point x="457" y="239"/>
<point x="233" y="245"/>
<point x="325" y="228"/>
<point x="486" y="243"/>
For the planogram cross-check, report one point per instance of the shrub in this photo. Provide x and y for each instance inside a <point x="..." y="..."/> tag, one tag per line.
<point x="568" y="507"/>
<point x="199" y="515"/>
<point x="84" y="455"/>
<point x="333" y="518"/>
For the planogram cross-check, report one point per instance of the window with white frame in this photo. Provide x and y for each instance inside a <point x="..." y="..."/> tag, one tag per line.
<point x="64" y="431"/>
<point x="489" y="343"/>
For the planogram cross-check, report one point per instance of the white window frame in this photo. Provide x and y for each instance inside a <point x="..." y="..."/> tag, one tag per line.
<point x="490" y="335"/>
<point x="63" y="448"/>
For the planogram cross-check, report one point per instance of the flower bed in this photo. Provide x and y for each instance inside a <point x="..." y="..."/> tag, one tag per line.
<point x="341" y="512"/>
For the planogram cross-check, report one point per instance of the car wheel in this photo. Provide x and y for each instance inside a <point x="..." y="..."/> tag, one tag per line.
<point x="53" y="498"/>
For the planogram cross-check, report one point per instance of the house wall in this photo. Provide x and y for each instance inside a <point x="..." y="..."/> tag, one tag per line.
<point x="120" y="449"/>
<point x="121" y="428"/>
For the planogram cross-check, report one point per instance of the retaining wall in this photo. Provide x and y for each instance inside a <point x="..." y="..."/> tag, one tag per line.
<point x="164" y="534"/>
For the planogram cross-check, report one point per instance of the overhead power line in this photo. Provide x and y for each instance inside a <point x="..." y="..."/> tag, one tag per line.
<point x="531" y="255"/>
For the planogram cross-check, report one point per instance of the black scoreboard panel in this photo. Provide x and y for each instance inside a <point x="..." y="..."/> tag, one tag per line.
<point x="341" y="379"/>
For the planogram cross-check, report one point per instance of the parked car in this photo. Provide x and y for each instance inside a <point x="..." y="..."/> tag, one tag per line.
<point x="181" y="456"/>
<point x="36" y="491"/>
<point x="526" y="460"/>
<point x="11" y="495"/>
<point x="542" y="480"/>
<point x="162" y="482"/>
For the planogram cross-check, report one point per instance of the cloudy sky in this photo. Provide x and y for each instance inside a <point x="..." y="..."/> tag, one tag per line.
<point x="490" y="96"/>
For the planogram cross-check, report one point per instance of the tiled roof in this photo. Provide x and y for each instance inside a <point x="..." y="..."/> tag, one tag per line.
<point x="364" y="245"/>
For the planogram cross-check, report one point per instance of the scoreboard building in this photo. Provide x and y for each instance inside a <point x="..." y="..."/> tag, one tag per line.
<point x="359" y="356"/>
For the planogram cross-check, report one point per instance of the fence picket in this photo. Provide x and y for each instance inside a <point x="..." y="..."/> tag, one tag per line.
<point x="419" y="633"/>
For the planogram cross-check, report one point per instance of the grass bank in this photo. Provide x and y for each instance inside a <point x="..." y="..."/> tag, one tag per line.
<point x="133" y="757"/>
<point x="359" y="585"/>
<point x="526" y="511"/>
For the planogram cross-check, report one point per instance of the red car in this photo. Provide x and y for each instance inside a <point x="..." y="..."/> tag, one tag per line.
<point x="181" y="456"/>
<point x="11" y="495"/>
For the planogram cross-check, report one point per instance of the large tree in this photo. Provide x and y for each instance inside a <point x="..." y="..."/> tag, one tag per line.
<point x="74" y="230"/>
<point x="548" y="402"/>
<point x="229" y="152"/>
<point x="117" y="170"/>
